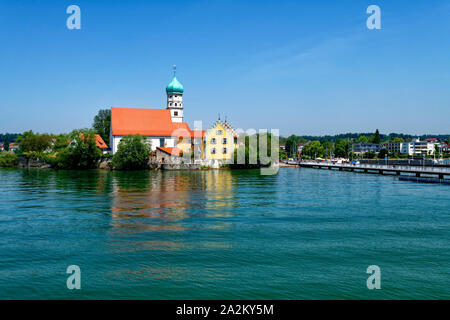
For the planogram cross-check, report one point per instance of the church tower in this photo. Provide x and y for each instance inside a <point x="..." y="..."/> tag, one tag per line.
<point x="175" y="98"/>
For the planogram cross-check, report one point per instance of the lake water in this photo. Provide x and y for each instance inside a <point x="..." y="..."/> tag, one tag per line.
<point x="301" y="234"/>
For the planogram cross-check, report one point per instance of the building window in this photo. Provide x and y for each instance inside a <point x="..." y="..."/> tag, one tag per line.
<point x="175" y="113"/>
<point x="224" y="150"/>
<point x="224" y="140"/>
<point x="213" y="151"/>
<point x="171" y="104"/>
<point x="161" y="142"/>
<point x="213" y="140"/>
<point x="175" y="104"/>
<point x="219" y="132"/>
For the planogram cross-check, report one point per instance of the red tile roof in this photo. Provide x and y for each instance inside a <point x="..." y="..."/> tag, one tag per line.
<point x="149" y="122"/>
<point x="172" y="151"/>
<point x="98" y="141"/>
<point x="146" y="122"/>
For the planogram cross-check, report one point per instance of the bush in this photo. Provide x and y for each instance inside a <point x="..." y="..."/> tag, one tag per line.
<point x="132" y="153"/>
<point x="382" y="154"/>
<point x="33" y="154"/>
<point x="61" y="142"/>
<point x="8" y="159"/>
<point x="50" y="159"/>
<point x="81" y="153"/>
<point x="30" y="141"/>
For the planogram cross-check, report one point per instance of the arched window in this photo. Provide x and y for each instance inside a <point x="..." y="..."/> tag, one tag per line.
<point x="175" y="104"/>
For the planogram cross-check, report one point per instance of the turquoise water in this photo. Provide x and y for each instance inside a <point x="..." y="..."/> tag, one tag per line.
<point x="302" y="234"/>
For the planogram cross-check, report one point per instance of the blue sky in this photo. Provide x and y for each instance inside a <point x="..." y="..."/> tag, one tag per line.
<point x="304" y="67"/>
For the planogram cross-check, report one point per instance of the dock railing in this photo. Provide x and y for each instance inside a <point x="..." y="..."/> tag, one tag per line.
<point x="412" y="169"/>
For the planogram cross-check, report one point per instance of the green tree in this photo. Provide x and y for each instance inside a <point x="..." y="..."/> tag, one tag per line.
<point x="31" y="142"/>
<point x="314" y="149"/>
<point x="102" y="124"/>
<point x="383" y="153"/>
<point x="291" y="146"/>
<point x="6" y="143"/>
<point x="370" y="155"/>
<point x="398" y="139"/>
<point x="132" y="153"/>
<point x="81" y="153"/>
<point x="362" y="139"/>
<point x="341" y="148"/>
<point x="62" y="141"/>
<point x="377" y="138"/>
<point x="8" y="159"/>
<point x="327" y="147"/>
<point x="437" y="150"/>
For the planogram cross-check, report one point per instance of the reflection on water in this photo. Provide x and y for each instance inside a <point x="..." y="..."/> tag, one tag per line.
<point x="168" y="196"/>
<point x="166" y="202"/>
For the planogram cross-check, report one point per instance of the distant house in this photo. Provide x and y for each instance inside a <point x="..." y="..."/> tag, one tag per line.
<point x="392" y="147"/>
<point x="301" y="145"/>
<point x="14" y="146"/>
<point x="365" y="147"/>
<point x="98" y="141"/>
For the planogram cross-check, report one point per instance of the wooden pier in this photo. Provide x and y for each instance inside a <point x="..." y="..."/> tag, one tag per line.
<point x="416" y="171"/>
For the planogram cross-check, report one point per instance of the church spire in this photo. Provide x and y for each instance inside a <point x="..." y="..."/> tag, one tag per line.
<point x="174" y="92"/>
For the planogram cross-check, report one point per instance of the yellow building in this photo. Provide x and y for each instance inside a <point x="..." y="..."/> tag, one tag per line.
<point x="220" y="142"/>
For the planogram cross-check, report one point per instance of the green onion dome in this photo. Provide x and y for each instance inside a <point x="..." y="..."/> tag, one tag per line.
<point x="174" y="86"/>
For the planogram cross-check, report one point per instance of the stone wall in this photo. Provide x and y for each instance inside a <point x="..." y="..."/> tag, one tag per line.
<point x="185" y="166"/>
<point x="24" y="162"/>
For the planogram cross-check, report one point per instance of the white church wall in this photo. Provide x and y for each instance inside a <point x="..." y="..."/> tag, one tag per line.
<point x="155" y="142"/>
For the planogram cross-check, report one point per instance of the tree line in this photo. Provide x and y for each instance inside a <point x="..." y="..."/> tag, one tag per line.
<point x="356" y="136"/>
<point x="341" y="145"/>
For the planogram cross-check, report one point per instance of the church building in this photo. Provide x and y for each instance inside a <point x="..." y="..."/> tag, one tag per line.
<point x="166" y="130"/>
<point x="162" y="127"/>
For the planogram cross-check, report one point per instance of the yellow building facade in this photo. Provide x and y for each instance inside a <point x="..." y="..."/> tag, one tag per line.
<point x="220" y="142"/>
